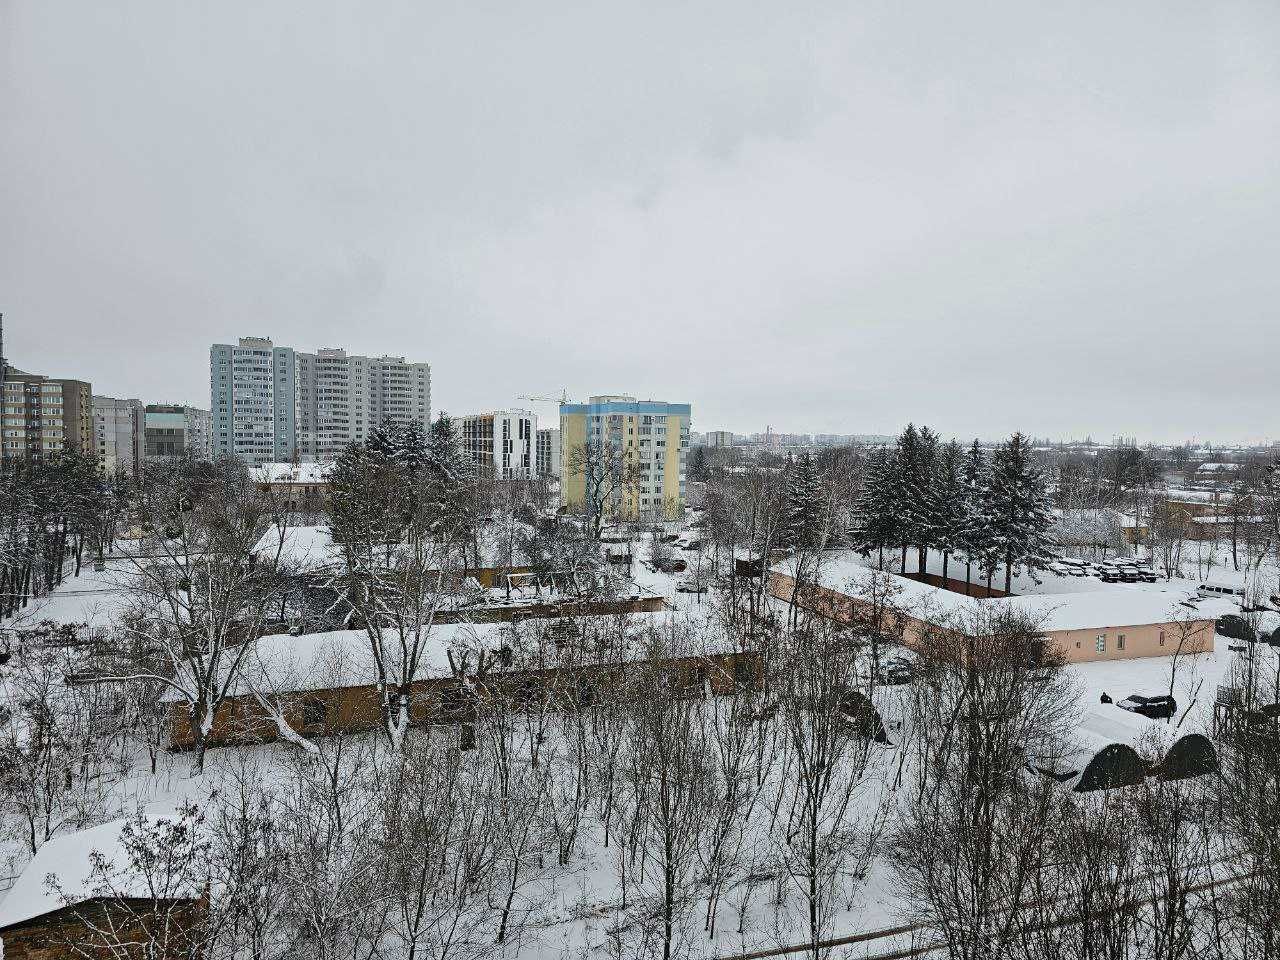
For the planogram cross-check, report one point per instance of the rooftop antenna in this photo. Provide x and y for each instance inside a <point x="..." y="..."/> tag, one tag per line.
<point x="3" y="366"/>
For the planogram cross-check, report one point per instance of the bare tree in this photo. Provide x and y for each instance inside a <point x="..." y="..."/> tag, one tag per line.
<point x="62" y="746"/>
<point x="668" y="776"/>
<point x="988" y="707"/>
<point x="446" y="837"/>
<point x="199" y="595"/>
<point x="833" y="815"/>
<point x="145" y="896"/>
<point x="610" y="478"/>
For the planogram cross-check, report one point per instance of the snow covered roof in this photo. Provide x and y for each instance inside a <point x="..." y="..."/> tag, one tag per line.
<point x="1122" y="605"/>
<point x="313" y="473"/>
<point x="282" y="663"/>
<point x="304" y="548"/>
<point x="848" y="573"/>
<point x="69" y="859"/>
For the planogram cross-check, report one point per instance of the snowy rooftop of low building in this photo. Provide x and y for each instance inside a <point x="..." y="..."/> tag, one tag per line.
<point x="282" y="663"/>
<point x="69" y="859"/>
<point x="1113" y="605"/>
<point x="303" y="548"/>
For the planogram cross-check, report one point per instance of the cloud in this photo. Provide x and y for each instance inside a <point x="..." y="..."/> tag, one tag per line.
<point x="827" y="217"/>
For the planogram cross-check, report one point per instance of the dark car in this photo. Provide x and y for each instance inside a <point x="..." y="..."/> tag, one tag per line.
<point x="1157" y="708"/>
<point x="1234" y="627"/>
<point x="894" y="672"/>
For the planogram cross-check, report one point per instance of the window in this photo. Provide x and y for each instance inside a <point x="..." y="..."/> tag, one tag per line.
<point x="1162" y="638"/>
<point x="1120" y="642"/>
<point x="1102" y="643"/>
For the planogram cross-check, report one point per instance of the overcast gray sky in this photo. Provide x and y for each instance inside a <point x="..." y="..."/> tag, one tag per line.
<point x="831" y="217"/>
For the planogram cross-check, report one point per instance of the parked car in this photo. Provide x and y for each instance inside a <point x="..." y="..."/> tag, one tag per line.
<point x="1157" y="707"/>
<point x="689" y="585"/>
<point x="670" y="565"/>
<point x="894" y="672"/>
<point x="1234" y="627"/>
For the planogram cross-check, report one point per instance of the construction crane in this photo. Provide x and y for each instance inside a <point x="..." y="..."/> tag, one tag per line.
<point x="563" y="398"/>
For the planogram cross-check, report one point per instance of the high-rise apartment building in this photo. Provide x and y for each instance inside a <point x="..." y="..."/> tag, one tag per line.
<point x="547" y="455"/>
<point x="342" y="398"/>
<point x="252" y="389"/>
<point x="117" y="434"/>
<point x="272" y="404"/>
<point x="174" y="430"/>
<point x="649" y="438"/>
<point x="501" y="444"/>
<point x="42" y="417"/>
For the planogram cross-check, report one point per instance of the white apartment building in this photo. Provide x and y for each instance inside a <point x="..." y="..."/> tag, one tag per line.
<point x="342" y="398"/>
<point x="252" y="387"/>
<point x="502" y="443"/>
<point x="117" y="434"/>
<point x="274" y="404"/>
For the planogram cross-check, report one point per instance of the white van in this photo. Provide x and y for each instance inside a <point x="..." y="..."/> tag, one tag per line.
<point x="1212" y="589"/>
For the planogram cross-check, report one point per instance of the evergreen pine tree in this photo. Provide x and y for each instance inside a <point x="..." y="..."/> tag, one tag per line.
<point x="411" y="447"/>
<point x="802" y="519"/>
<point x="1019" y="509"/>
<point x="384" y="440"/>
<point x="875" y="509"/>
<point x="449" y="477"/>
<point x="974" y="539"/>
<point x="367" y="504"/>
<point x="908" y="491"/>
<point x="445" y="459"/>
<point x="927" y="512"/>
<point x="948" y="504"/>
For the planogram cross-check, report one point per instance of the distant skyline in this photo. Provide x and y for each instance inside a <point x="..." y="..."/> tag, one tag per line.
<point x="835" y="218"/>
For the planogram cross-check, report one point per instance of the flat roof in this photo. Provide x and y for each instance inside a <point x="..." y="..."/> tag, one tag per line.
<point x="1122" y="606"/>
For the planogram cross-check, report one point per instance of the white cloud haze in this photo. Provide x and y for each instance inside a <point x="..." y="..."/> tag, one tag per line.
<point x="826" y="216"/>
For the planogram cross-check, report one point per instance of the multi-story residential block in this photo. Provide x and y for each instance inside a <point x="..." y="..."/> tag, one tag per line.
<point x="400" y="391"/>
<point x="42" y="416"/>
<point x="117" y="434"/>
<point x="199" y="432"/>
<point x="719" y="438"/>
<point x="277" y="404"/>
<point x="252" y="388"/>
<point x="650" y="438"/>
<point x="342" y="398"/>
<point x="547" y="455"/>
<point x="173" y="430"/>
<point x="501" y="444"/>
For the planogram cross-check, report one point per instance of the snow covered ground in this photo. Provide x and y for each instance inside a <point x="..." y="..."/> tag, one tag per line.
<point x="579" y="904"/>
<point x="95" y="598"/>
